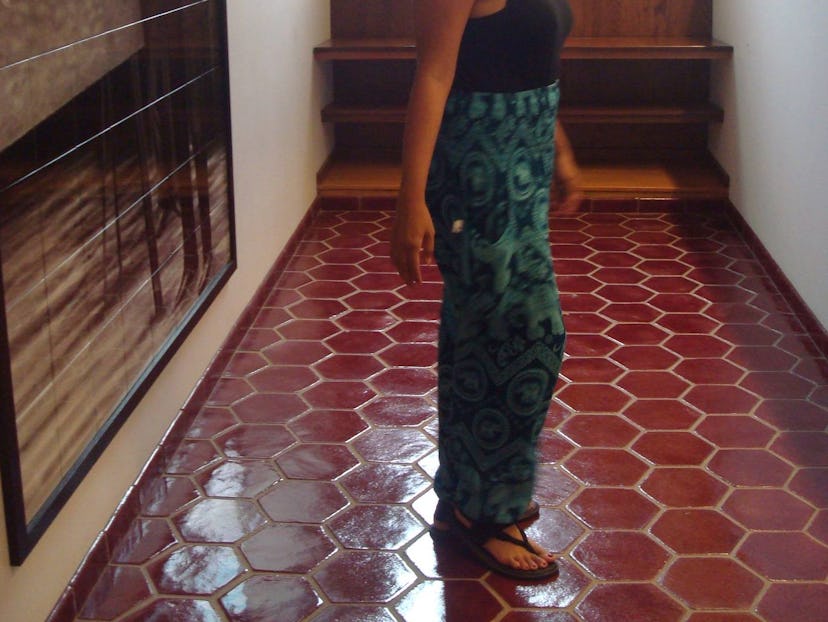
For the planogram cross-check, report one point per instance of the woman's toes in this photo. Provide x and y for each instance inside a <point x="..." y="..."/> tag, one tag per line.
<point x="531" y="563"/>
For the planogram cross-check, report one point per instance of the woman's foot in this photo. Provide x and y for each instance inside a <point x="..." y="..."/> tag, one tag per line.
<point x="512" y="552"/>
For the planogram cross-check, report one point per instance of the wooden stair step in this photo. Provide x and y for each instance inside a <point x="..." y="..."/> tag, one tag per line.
<point x="335" y="113"/>
<point x="665" y="179"/>
<point x="702" y="113"/>
<point x="379" y="174"/>
<point x="632" y="48"/>
<point x="366" y="49"/>
<point x="360" y="174"/>
<point x="629" y="48"/>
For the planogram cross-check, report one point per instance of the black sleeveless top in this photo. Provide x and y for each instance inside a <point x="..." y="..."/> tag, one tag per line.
<point x="515" y="49"/>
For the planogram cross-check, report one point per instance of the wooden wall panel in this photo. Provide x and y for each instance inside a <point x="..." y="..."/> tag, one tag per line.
<point x="637" y="138"/>
<point x="373" y="137"/>
<point x="642" y="18"/>
<point x="638" y="82"/>
<point x="593" y="18"/>
<point x="377" y="83"/>
<point x="372" y="18"/>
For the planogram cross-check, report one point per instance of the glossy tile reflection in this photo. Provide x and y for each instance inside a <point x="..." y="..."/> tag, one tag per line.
<point x="682" y="472"/>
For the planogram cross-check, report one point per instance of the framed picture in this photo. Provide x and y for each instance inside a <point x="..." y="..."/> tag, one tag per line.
<point x="116" y="224"/>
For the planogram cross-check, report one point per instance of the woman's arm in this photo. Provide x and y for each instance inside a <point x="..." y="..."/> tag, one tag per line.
<point x="440" y="26"/>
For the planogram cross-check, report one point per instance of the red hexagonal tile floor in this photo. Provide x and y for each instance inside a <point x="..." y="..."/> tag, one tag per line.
<point x="683" y="473"/>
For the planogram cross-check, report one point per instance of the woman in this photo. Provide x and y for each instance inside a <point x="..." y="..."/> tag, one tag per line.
<point x="478" y="154"/>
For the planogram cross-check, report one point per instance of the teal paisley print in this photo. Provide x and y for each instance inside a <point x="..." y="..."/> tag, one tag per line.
<point x="501" y="333"/>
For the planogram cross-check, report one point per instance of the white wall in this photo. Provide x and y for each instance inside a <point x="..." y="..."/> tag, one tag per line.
<point x="278" y="144"/>
<point x="774" y="142"/>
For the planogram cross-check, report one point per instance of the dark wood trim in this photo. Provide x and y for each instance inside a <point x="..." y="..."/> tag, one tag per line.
<point x="816" y="331"/>
<point x="18" y="538"/>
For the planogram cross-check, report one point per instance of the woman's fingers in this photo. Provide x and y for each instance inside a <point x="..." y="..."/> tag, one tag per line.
<point x="412" y="243"/>
<point x="428" y="247"/>
<point x="410" y="270"/>
<point x="406" y="260"/>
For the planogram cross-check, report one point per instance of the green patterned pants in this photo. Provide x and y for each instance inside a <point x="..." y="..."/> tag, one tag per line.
<point x="501" y="332"/>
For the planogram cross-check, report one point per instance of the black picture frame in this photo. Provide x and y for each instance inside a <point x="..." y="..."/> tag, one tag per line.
<point x="180" y="95"/>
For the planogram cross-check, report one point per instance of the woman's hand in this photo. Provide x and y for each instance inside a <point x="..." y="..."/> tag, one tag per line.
<point x="567" y="191"/>
<point x="567" y="194"/>
<point x="412" y="240"/>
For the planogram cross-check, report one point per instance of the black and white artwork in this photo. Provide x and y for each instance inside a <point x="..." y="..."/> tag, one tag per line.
<point x="116" y="223"/>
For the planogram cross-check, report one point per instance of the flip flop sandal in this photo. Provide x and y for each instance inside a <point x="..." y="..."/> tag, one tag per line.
<point x="444" y="512"/>
<point x="477" y="535"/>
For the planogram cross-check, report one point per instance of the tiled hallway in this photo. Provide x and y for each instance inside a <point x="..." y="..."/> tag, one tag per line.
<point x="684" y="471"/>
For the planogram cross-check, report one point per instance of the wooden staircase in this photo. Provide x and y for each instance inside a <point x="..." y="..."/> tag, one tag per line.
<point x="635" y="84"/>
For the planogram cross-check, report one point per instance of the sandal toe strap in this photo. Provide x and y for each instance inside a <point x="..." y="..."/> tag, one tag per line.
<point x="505" y="537"/>
<point x="482" y="532"/>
